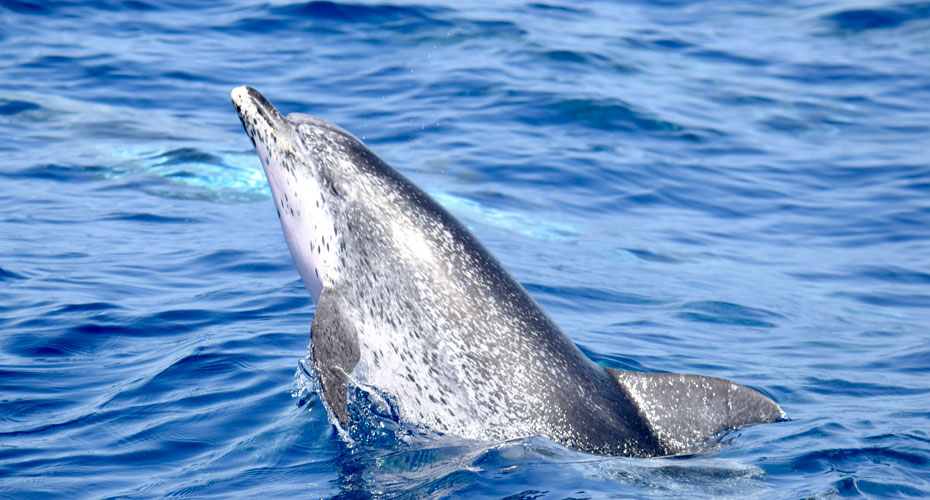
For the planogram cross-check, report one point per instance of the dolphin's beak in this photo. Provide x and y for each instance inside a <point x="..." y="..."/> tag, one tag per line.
<point x="255" y="112"/>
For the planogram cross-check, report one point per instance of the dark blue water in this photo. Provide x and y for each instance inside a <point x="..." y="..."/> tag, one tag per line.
<point x="728" y="188"/>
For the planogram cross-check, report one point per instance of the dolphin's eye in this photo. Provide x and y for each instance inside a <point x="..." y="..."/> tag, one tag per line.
<point x="329" y="185"/>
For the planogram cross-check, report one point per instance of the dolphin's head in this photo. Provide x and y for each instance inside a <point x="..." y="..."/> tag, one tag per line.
<point x="309" y="167"/>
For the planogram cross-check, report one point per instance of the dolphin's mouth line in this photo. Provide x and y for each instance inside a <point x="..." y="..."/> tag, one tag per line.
<point x="261" y="112"/>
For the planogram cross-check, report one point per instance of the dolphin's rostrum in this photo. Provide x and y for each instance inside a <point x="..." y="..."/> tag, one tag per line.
<point x="411" y="304"/>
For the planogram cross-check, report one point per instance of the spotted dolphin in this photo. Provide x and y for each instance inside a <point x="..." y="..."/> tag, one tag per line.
<point x="412" y="305"/>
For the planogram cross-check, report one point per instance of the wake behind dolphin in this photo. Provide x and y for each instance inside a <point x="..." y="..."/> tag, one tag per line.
<point x="411" y="304"/>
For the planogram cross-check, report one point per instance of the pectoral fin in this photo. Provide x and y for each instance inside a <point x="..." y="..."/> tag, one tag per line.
<point x="683" y="411"/>
<point x="334" y="348"/>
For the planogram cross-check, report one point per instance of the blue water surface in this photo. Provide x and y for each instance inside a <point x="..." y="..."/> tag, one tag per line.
<point x="738" y="189"/>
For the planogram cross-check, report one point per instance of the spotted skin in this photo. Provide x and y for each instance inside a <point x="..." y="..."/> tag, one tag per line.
<point x="412" y="304"/>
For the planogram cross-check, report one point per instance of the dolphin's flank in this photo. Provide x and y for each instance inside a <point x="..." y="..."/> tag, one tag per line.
<point x="411" y="304"/>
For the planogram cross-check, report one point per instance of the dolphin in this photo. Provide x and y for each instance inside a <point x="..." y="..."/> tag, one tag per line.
<point x="411" y="305"/>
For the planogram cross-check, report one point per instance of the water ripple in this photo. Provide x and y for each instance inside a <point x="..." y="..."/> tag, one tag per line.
<point x="863" y="19"/>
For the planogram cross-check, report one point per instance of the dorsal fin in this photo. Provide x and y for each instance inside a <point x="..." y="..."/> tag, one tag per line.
<point x="683" y="410"/>
<point x="334" y="347"/>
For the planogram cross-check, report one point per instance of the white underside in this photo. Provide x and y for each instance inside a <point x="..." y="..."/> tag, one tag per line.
<point x="304" y="225"/>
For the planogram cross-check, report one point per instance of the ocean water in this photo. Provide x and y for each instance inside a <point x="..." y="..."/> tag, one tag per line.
<point x="726" y="188"/>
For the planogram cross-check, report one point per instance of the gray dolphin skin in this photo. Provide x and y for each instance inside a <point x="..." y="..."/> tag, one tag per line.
<point x="412" y="305"/>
